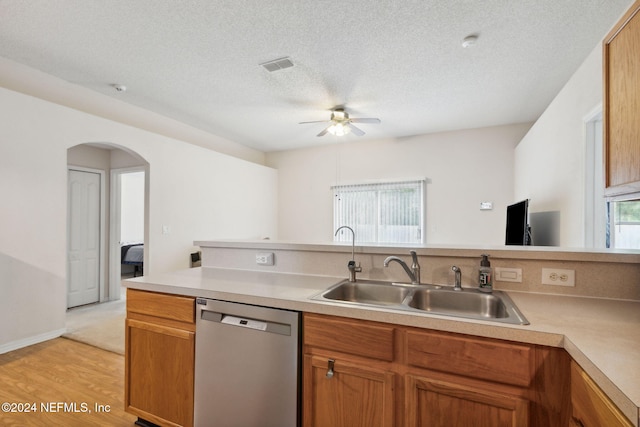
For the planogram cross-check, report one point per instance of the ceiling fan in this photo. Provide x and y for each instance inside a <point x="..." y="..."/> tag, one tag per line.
<point x="342" y="124"/>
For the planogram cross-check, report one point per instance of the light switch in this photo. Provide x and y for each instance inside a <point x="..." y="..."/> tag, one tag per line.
<point x="508" y="274"/>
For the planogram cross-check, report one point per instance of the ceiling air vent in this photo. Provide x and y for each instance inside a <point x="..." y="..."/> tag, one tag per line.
<point x="277" y="64"/>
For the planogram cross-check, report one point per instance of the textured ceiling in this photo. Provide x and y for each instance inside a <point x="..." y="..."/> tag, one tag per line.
<point x="402" y="61"/>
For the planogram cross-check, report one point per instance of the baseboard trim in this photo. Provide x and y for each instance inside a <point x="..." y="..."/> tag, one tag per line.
<point x="25" y="342"/>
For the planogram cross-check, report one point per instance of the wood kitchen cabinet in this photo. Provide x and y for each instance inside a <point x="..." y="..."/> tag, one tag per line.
<point x="590" y="406"/>
<point x="348" y="380"/>
<point x="456" y="380"/>
<point x="621" y="106"/>
<point x="159" y="357"/>
<point x="387" y="375"/>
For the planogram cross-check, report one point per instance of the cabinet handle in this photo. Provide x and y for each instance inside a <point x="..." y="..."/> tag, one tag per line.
<point x="330" y="364"/>
<point x="577" y="422"/>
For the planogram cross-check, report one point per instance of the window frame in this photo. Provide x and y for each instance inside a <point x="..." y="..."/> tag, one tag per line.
<point x="379" y="186"/>
<point x="613" y="221"/>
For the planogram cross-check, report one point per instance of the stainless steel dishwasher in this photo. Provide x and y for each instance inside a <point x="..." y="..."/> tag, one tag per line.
<point x="247" y="366"/>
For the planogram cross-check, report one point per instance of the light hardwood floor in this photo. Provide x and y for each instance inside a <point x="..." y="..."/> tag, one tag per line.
<point x="67" y="378"/>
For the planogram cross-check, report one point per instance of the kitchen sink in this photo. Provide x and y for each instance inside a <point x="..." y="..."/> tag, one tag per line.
<point x="423" y="298"/>
<point x="368" y="293"/>
<point x="465" y="302"/>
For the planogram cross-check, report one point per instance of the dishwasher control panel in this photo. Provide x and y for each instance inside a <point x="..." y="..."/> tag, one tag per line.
<point x="245" y="323"/>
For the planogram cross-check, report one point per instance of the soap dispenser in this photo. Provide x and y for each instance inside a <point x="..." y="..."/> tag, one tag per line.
<point x="485" y="278"/>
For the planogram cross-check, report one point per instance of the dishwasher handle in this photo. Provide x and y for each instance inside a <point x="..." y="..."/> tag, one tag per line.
<point x="245" y="322"/>
<point x="211" y="316"/>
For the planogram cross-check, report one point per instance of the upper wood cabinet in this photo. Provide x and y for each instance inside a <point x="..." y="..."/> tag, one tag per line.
<point x="621" y="61"/>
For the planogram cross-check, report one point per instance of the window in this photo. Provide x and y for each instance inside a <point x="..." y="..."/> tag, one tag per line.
<point x="624" y="225"/>
<point x="391" y="212"/>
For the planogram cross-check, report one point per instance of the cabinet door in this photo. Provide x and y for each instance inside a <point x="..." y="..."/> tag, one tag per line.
<point x="590" y="406"/>
<point x="342" y="394"/>
<point x="159" y="373"/>
<point x="622" y="104"/>
<point x="435" y="403"/>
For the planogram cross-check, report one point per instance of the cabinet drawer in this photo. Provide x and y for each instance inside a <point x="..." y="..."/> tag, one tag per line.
<point x="166" y="306"/>
<point x="373" y="340"/>
<point x="484" y="359"/>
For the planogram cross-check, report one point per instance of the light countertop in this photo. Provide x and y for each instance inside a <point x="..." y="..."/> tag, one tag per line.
<point x="602" y="335"/>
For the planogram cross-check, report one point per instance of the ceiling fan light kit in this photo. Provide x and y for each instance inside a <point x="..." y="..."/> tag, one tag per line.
<point x="470" y="41"/>
<point x="341" y="124"/>
<point x="339" y="129"/>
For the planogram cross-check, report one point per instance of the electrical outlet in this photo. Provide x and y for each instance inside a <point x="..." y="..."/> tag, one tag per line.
<point x="558" y="277"/>
<point x="264" y="258"/>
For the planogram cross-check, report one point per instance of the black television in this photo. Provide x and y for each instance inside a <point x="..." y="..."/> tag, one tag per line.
<point x="518" y="230"/>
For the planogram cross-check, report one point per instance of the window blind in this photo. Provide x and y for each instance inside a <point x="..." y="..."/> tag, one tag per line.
<point x="390" y="212"/>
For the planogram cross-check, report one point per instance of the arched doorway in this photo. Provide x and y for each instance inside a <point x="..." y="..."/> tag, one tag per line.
<point x="96" y="277"/>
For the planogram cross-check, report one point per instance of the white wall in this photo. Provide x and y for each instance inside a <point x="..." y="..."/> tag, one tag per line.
<point x="550" y="159"/>
<point x="198" y="193"/>
<point x="463" y="168"/>
<point x="30" y="81"/>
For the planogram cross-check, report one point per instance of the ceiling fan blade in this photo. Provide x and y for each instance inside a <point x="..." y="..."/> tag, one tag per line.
<point x="355" y="130"/>
<point x="366" y="120"/>
<point x="316" y="121"/>
<point x="324" y="132"/>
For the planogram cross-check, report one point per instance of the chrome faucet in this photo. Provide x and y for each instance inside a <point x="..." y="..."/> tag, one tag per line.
<point x="413" y="272"/>
<point x="352" y="266"/>
<point x="457" y="284"/>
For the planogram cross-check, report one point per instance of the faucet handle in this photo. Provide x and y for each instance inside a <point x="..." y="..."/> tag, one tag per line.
<point x="457" y="284"/>
<point x="354" y="267"/>
<point x="415" y="267"/>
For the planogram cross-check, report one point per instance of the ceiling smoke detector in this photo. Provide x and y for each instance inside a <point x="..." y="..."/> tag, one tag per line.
<point x="277" y="64"/>
<point x="119" y="88"/>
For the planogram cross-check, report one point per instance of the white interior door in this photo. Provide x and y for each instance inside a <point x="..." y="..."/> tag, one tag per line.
<point x="83" y="258"/>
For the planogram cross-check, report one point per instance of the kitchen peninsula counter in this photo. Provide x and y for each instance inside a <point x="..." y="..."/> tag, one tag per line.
<point x="602" y="335"/>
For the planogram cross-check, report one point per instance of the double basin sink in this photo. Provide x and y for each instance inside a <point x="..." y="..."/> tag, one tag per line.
<point x="432" y="299"/>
